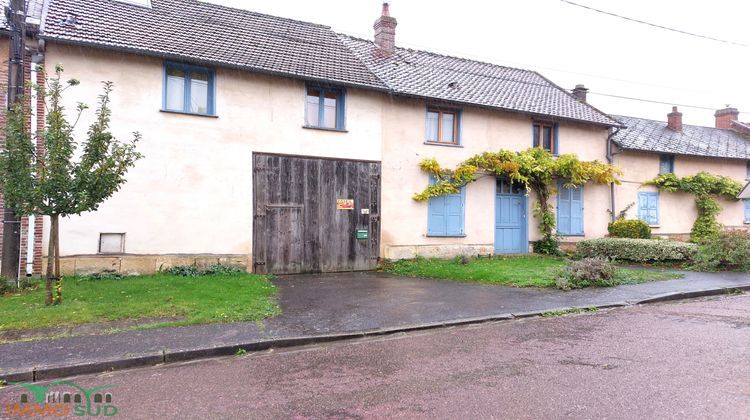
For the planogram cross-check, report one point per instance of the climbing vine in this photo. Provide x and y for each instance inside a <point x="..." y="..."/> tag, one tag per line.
<point x="706" y="188"/>
<point x="536" y="169"/>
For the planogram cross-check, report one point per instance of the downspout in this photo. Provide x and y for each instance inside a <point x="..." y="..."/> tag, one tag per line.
<point x="610" y="160"/>
<point x="31" y="232"/>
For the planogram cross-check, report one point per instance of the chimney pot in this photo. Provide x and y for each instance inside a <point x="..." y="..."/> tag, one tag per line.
<point x="674" y="119"/>
<point x="580" y="92"/>
<point x="724" y="117"/>
<point x="385" y="31"/>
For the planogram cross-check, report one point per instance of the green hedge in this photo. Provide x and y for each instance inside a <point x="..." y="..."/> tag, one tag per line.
<point x="629" y="229"/>
<point x="636" y="250"/>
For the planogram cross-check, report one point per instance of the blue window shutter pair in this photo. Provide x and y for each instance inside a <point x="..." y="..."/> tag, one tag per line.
<point x="648" y="207"/>
<point x="446" y="215"/>
<point x="569" y="210"/>
<point x="747" y="210"/>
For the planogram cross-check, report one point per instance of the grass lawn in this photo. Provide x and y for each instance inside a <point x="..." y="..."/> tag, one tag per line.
<point x="520" y="271"/>
<point x="174" y="299"/>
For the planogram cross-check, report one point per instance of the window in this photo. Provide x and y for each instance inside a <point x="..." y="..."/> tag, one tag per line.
<point x="188" y="89"/>
<point x="666" y="164"/>
<point x="442" y="126"/>
<point x="747" y="171"/>
<point x="446" y="214"/>
<point x="324" y="108"/>
<point x="545" y="136"/>
<point x="648" y="207"/>
<point x="111" y="243"/>
<point x="747" y="210"/>
<point x="569" y="210"/>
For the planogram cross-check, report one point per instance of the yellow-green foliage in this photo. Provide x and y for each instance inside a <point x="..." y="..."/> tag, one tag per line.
<point x="705" y="187"/>
<point x="535" y="168"/>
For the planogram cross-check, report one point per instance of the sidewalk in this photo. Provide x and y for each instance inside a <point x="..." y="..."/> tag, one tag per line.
<point x="329" y="307"/>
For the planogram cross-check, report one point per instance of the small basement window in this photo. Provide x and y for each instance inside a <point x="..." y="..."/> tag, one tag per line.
<point x="111" y="243"/>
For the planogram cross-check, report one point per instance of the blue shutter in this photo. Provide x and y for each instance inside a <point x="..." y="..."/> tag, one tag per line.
<point x="747" y="210"/>
<point x="436" y="220"/>
<point x="445" y="214"/>
<point x="556" y="140"/>
<point x="570" y="211"/>
<point x="648" y="207"/>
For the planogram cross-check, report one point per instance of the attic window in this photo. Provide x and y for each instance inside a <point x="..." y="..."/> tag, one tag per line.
<point x="142" y="3"/>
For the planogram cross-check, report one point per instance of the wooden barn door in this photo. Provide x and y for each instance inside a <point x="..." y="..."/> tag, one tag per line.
<point x="314" y="214"/>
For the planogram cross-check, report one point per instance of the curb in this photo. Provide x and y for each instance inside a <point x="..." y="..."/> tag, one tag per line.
<point x="41" y="373"/>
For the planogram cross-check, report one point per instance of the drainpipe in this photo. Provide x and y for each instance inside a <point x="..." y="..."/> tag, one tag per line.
<point x="610" y="160"/>
<point x="30" y="234"/>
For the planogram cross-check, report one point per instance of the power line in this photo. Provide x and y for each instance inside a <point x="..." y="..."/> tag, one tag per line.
<point x="653" y="101"/>
<point x="666" y="28"/>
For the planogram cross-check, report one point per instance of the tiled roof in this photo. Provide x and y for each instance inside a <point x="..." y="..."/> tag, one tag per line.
<point x="210" y="33"/>
<point x="654" y="136"/>
<point x="425" y="74"/>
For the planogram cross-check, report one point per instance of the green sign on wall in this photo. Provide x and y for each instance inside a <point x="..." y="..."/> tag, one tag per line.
<point x="362" y="234"/>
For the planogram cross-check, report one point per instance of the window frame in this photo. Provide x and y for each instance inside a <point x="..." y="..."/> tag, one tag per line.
<point x="189" y="69"/>
<point x="555" y="132"/>
<point x="560" y="186"/>
<point x="747" y="170"/>
<point x="669" y="160"/>
<point x="340" y="107"/>
<point x="462" y="196"/>
<point x="122" y="235"/>
<point x="658" y="206"/>
<point x="440" y="110"/>
<point x="746" y="206"/>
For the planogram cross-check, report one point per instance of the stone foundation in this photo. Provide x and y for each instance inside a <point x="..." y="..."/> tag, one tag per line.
<point x="402" y="252"/>
<point x="82" y="265"/>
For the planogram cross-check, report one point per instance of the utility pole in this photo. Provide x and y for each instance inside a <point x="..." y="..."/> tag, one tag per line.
<point x="16" y="16"/>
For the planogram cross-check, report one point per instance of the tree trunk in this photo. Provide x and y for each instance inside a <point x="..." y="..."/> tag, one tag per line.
<point x="50" y="260"/>
<point x="58" y="278"/>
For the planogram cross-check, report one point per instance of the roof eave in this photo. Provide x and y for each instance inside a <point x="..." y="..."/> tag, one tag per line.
<point x="634" y="149"/>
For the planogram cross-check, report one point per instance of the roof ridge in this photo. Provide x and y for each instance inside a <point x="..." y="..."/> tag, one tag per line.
<point x="664" y="122"/>
<point x="252" y="12"/>
<point x="442" y="54"/>
<point x="364" y="63"/>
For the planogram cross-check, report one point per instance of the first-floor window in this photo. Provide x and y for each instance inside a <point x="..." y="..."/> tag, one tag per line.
<point x="747" y="210"/>
<point x="666" y="164"/>
<point x="442" y="126"/>
<point x="648" y="207"/>
<point x="324" y="108"/>
<point x="446" y="215"/>
<point x="188" y="89"/>
<point x="545" y="136"/>
<point x="569" y="210"/>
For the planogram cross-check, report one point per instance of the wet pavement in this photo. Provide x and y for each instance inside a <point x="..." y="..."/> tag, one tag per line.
<point x="318" y="305"/>
<point x="684" y="359"/>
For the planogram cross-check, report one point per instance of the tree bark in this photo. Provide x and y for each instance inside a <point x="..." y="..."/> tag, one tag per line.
<point x="50" y="260"/>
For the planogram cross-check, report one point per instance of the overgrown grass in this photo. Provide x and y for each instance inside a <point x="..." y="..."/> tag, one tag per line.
<point x="519" y="271"/>
<point x="179" y="300"/>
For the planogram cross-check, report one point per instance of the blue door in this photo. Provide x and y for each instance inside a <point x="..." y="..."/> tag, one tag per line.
<point x="510" y="219"/>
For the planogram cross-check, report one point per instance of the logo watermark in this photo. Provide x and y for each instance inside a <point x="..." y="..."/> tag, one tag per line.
<point x="62" y="399"/>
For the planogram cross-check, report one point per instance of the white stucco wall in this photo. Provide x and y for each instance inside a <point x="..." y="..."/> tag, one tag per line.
<point x="192" y="191"/>
<point x="677" y="210"/>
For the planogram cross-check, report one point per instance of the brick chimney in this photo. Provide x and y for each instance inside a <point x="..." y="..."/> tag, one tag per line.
<point x="674" y="119"/>
<point x="724" y="117"/>
<point x="580" y="92"/>
<point x="385" y="31"/>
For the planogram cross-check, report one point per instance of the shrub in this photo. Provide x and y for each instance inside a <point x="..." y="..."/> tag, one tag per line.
<point x="729" y="251"/>
<point x="211" y="270"/>
<point x="547" y="246"/>
<point x="637" y="229"/>
<point x="587" y="272"/>
<point x="636" y="250"/>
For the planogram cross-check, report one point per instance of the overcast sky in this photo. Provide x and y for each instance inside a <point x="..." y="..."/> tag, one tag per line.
<point x="573" y="45"/>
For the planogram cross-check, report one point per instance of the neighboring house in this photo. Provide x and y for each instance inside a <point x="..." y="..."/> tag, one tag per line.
<point x="285" y="147"/>
<point x="647" y="148"/>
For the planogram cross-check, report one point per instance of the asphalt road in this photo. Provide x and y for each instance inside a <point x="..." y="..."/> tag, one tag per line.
<point x="679" y="360"/>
